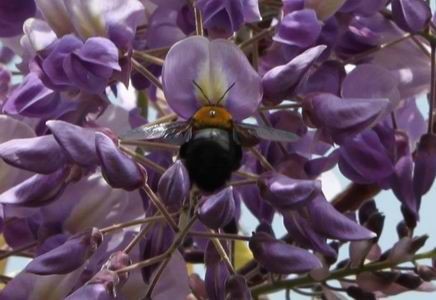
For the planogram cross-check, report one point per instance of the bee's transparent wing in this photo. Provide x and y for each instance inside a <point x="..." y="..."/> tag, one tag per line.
<point x="177" y="133"/>
<point x="249" y="135"/>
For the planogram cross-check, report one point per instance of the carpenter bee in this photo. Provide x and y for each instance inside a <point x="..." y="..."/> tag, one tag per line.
<point x="211" y="142"/>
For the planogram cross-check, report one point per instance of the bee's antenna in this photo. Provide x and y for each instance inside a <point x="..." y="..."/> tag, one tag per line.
<point x="225" y="93"/>
<point x="201" y="91"/>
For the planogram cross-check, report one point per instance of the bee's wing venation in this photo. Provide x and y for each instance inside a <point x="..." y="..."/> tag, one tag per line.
<point x="249" y="131"/>
<point x="172" y="132"/>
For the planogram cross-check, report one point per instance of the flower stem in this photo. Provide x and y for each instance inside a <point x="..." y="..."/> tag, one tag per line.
<point x="131" y="224"/>
<point x="177" y="242"/>
<point x="18" y="250"/>
<point x="243" y="182"/>
<point x="138" y="237"/>
<point x="143" y="160"/>
<point x="334" y="275"/>
<point x="255" y="38"/>
<point x="280" y="107"/>
<point x="199" y="30"/>
<point x="221" y="236"/>
<point x="151" y="145"/>
<point x="146" y="73"/>
<point x="364" y="54"/>
<point x="262" y="159"/>
<point x="222" y="252"/>
<point x="140" y="55"/>
<point x="159" y="205"/>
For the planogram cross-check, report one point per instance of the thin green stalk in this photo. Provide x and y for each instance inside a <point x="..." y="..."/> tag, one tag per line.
<point x="267" y="288"/>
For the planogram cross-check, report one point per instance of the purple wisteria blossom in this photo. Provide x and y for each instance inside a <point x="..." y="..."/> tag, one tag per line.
<point x="194" y="150"/>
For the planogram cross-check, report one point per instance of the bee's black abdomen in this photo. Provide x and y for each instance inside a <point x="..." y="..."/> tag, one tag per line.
<point x="210" y="158"/>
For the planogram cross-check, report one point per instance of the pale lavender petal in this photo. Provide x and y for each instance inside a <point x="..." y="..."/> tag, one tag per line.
<point x="326" y="79"/>
<point x="215" y="66"/>
<point x="119" y="170"/>
<point x="371" y="81"/>
<point x="55" y="12"/>
<point x="100" y="52"/>
<point x="33" y="154"/>
<point x="299" y="28"/>
<point x="38" y="34"/>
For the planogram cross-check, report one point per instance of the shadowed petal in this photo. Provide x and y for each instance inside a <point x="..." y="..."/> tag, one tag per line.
<point x="31" y="98"/>
<point x="306" y="236"/>
<point x="218" y="209"/>
<point x="216" y="273"/>
<point x="237" y="288"/>
<point x="174" y="185"/>
<point x="13" y="14"/>
<point x="102" y="286"/>
<point x="53" y="63"/>
<point x="214" y="66"/>
<point x="425" y="165"/>
<point x="37" y="190"/>
<point x="411" y="15"/>
<point x="281" y="82"/>
<point x="364" y="159"/>
<point x="68" y="256"/>
<point x="325" y="219"/>
<point x="284" y="192"/>
<point x="119" y="170"/>
<point x="343" y="118"/>
<point x="77" y="142"/>
<point x="278" y="257"/>
<point x="33" y="154"/>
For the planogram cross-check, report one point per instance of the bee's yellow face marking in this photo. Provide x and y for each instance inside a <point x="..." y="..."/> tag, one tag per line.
<point x="212" y="117"/>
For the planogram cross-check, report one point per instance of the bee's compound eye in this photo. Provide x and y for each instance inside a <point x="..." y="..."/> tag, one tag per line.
<point x="212" y="113"/>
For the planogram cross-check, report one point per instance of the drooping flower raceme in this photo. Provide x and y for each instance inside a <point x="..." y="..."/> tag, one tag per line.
<point x="101" y="216"/>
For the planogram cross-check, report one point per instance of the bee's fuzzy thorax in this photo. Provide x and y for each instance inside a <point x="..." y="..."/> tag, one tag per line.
<point x="212" y="117"/>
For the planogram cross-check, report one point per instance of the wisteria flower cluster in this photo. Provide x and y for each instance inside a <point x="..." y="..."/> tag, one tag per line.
<point x="135" y="133"/>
